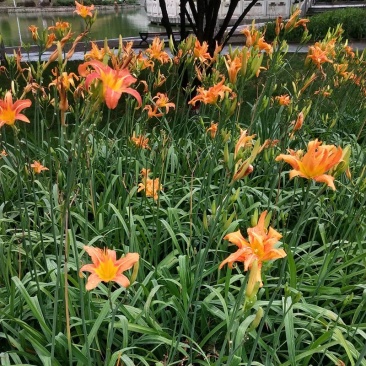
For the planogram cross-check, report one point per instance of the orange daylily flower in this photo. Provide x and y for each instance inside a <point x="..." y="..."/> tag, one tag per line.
<point x="293" y="19"/>
<point x="97" y="54"/>
<point x="211" y="95"/>
<point x="140" y="141"/>
<point x="162" y="101"/>
<point x="259" y="247"/>
<point x="279" y="25"/>
<point x="3" y="153"/>
<point x="150" y="186"/>
<point x="200" y="51"/>
<point x="349" y="51"/>
<point x="34" y="30"/>
<point x="299" y="121"/>
<point x="233" y="67"/>
<point x="243" y="167"/>
<point x="318" y="160"/>
<point x="84" y="11"/>
<point x="38" y="167"/>
<point x="143" y="63"/>
<point x="244" y="141"/>
<point x="155" y="51"/>
<point x="251" y="35"/>
<point x="10" y="112"/>
<point x="153" y="112"/>
<point x="50" y="39"/>
<point x="107" y="268"/>
<point x="283" y="99"/>
<point x="60" y="27"/>
<point x="264" y="46"/>
<point x="63" y="83"/>
<point x="212" y="129"/>
<point x="319" y="53"/>
<point x="114" y="82"/>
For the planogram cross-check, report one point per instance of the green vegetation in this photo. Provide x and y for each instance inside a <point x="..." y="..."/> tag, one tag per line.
<point x="353" y="22"/>
<point x="221" y="138"/>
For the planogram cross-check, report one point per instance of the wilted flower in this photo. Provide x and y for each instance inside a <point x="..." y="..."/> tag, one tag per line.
<point x="38" y="167"/>
<point x="314" y="163"/>
<point x="10" y="112"/>
<point x="259" y="247"/>
<point x="107" y="268"/>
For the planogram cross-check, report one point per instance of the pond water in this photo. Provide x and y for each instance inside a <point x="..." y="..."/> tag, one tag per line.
<point x="127" y="22"/>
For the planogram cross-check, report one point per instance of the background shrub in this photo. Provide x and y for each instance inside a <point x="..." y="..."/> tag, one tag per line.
<point x="353" y="20"/>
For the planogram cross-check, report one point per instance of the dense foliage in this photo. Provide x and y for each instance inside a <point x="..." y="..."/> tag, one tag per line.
<point x="121" y="198"/>
<point x="353" y="22"/>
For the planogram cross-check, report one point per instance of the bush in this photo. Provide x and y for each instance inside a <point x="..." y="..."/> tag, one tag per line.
<point x="353" y="22"/>
<point x="27" y="4"/>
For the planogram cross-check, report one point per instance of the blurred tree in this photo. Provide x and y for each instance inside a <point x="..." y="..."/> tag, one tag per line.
<point x="203" y="20"/>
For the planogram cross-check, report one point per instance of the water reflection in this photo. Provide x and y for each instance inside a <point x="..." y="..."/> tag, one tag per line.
<point x="110" y="24"/>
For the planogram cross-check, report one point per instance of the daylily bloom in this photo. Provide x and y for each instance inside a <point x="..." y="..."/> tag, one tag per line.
<point x="107" y="268"/>
<point x="283" y="99"/>
<point x="243" y="142"/>
<point x="259" y="247"/>
<point x="10" y="112"/>
<point x="162" y="101"/>
<point x="38" y="167"/>
<point x="97" y="54"/>
<point x="211" y="95"/>
<point x="279" y="25"/>
<point x="60" y="27"/>
<point x="84" y="11"/>
<point x="349" y="51"/>
<point x="243" y="167"/>
<point x="50" y="39"/>
<point x="233" y="67"/>
<point x="140" y="141"/>
<point x="200" y="51"/>
<point x="150" y="186"/>
<point x="153" y="112"/>
<point x="63" y="83"/>
<point x="212" y="129"/>
<point x="3" y="153"/>
<point x="322" y="52"/>
<point x="251" y="35"/>
<point x="34" y="31"/>
<point x="264" y="46"/>
<point x="297" y="124"/>
<point x="155" y="51"/>
<point x="293" y="19"/>
<point x="318" y="160"/>
<point x="115" y="82"/>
